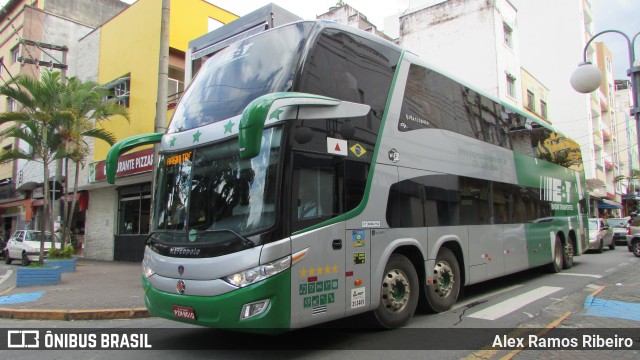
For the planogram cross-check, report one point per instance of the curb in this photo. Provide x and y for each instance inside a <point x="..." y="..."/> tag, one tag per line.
<point x="71" y="315"/>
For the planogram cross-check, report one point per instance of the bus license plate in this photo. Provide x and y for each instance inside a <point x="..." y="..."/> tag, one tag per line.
<point x="184" y="312"/>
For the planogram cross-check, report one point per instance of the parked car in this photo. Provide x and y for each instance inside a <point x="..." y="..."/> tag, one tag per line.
<point x="25" y="245"/>
<point x="600" y="235"/>
<point x="3" y="244"/>
<point x="619" y="226"/>
<point x="633" y="240"/>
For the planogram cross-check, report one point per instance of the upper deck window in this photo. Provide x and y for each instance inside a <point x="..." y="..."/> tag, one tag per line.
<point x="240" y="73"/>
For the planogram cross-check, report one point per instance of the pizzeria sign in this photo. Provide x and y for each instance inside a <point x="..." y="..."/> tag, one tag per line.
<point x="128" y="164"/>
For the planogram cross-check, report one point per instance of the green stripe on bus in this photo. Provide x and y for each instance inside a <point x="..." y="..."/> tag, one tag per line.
<point x="367" y="191"/>
<point x="223" y="311"/>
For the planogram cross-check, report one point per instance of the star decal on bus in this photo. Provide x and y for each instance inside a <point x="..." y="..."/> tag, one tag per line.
<point x="172" y="141"/>
<point x="276" y="114"/>
<point x="196" y="136"/>
<point x="228" y="127"/>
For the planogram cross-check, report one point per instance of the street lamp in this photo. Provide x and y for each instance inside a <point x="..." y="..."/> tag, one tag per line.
<point x="586" y="78"/>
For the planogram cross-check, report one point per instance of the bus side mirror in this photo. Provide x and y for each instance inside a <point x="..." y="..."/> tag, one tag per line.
<point x="272" y="108"/>
<point x="124" y="145"/>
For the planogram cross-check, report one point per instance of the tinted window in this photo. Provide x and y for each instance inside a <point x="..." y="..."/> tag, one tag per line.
<point x="351" y="68"/>
<point x="240" y="73"/>
<point x="448" y="200"/>
<point x="432" y="100"/>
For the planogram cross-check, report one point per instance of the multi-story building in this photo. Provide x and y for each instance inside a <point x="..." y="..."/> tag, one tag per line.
<point x="37" y="35"/>
<point x="123" y="53"/>
<point x="475" y="41"/>
<point x="552" y="44"/>
<point x="627" y="137"/>
<point x="345" y="14"/>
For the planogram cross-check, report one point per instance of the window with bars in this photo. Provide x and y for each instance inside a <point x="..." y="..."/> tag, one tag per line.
<point x="508" y="35"/>
<point x="120" y="89"/>
<point x="531" y="101"/>
<point x="511" y="86"/>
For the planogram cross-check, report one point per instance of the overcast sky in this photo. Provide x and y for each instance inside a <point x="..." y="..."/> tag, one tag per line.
<point x="620" y="15"/>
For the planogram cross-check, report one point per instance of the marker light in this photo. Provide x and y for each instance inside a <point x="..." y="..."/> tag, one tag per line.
<point x="259" y="273"/>
<point x="253" y="309"/>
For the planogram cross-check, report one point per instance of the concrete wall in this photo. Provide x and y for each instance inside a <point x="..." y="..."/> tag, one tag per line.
<point x="551" y="47"/>
<point x="90" y="12"/>
<point x="464" y="38"/>
<point x="100" y="223"/>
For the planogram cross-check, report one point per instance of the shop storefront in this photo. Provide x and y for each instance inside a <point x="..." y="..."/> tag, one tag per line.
<point x="118" y="220"/>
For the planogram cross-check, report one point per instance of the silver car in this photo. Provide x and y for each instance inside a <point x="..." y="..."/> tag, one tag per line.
<point x="633" y="240"/>
<point x="600" y="235"/>
<point x="619" y="226"/>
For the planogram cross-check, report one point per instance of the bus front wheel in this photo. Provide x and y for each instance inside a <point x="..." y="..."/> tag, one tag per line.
<point x="398" y="294"/>
<point x="443" y="293"/>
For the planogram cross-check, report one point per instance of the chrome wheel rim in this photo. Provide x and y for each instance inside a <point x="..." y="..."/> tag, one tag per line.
<point x="395" y="290"/>
<point x="443" y="279"/>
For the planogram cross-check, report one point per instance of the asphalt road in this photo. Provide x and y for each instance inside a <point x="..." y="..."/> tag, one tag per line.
<point x="533" y="298"/>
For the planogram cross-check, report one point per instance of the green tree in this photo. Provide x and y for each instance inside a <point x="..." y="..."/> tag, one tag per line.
<point x="635" y="175"/>
<point x="87" y="104"/>
<point x="55" y="114"/>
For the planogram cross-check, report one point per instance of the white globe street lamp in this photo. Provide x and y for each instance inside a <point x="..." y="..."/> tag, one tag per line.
<point x="587" y="77"/>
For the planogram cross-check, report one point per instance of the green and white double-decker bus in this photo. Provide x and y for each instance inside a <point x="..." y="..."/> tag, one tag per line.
<point x="314" y="171"/>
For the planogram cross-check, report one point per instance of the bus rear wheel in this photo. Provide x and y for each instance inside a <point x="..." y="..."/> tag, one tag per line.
<point x="569" y="251"/>
<point x="398" y="294"/>
<point x="443" y="293"/>
<point x="559" y="253"/>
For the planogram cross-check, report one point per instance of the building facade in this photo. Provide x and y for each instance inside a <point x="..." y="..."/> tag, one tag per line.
<point x="37" y="35"/>
<point x="123" y="53"/>
<point x="476" y="41"/>
<point x="562" y="35"/>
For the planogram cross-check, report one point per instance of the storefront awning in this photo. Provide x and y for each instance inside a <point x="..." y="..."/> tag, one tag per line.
<point x="608" y="204"/>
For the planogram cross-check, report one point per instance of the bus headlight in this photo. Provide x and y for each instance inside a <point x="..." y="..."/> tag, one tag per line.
<point x="259" y="273"/>
<point x="147" y="271"/>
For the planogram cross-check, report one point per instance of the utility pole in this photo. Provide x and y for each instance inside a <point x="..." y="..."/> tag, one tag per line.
<point x="160" y="124"/>
<point x="163" y="72"/>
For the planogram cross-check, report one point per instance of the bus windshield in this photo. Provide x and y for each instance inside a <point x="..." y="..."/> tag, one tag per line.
<point x="240" y="73"/>
<point x="207" y="195"/>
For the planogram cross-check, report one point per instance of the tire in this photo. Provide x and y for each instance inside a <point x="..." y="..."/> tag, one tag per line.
<point x="601" y="247"/>
<point x="7" y="258"/>
<point x="613" y="245"/>
<point x="398" y="294"/>
<point x="25" y="260"/>
<point x="635" y="247"/>
<point x="558" y="256"/>
<point x="569" y="252"/>
<point x="443" y="293"/>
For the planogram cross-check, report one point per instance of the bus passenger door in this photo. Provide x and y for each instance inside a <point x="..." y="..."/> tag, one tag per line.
<point x="318" y="240"/>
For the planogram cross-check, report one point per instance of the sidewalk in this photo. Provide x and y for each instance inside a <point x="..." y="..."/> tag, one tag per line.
<point x="97" y="290"/>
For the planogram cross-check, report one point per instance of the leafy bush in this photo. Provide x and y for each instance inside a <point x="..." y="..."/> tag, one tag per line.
<point x="66" y="253"/>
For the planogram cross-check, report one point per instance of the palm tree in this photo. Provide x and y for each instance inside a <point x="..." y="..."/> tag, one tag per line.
<point x="39" y="112"/>
<point x="87" y="104"/>
<point x="635" y="175"/>
<point x="56" y="114"/>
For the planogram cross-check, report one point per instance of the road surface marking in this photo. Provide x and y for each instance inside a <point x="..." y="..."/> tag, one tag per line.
<point x="612" y="309"/>
<point x="484" y="296"/>
<point x="20" y="298"/>
<point x="576" y="274"/>
<point x="541" y="333"/>
<point x="6" y="276"/>
<point x="501" y="309"/>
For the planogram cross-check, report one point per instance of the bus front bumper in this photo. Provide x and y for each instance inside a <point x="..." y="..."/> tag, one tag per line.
<point x="224" y="311"/>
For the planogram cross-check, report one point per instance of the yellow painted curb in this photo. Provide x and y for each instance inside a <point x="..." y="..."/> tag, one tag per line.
<point x="103" y="314"/>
